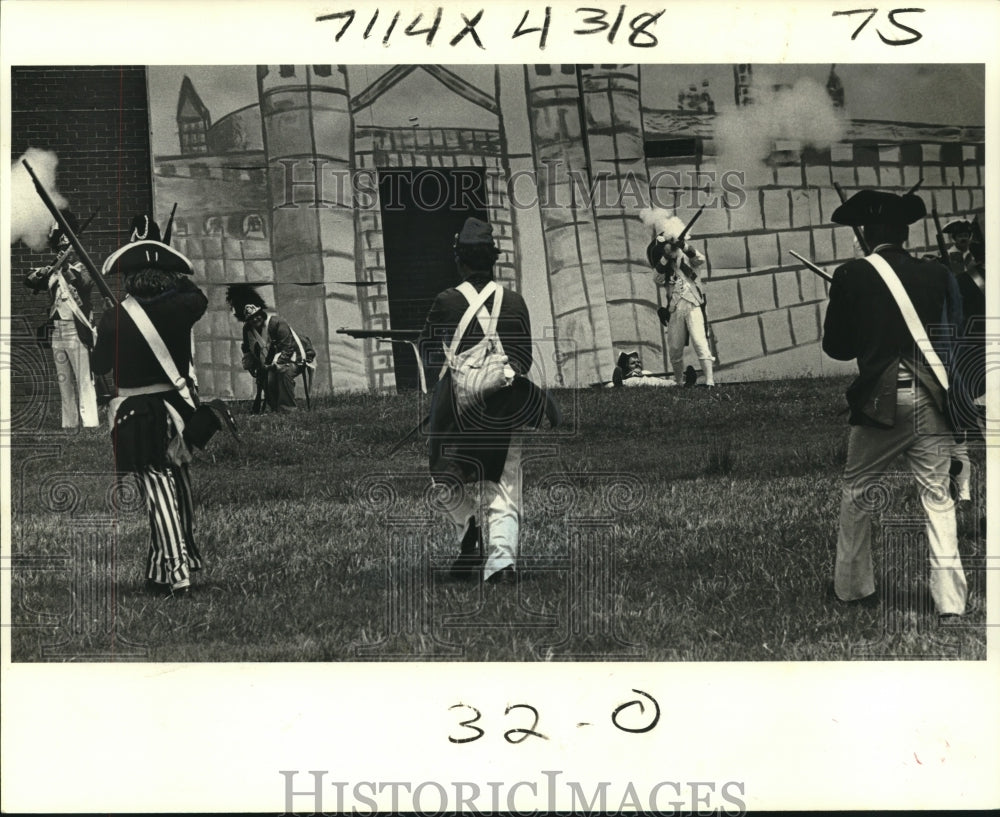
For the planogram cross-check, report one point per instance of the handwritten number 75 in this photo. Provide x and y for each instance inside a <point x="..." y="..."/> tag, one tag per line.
<point x="892" y="19"/>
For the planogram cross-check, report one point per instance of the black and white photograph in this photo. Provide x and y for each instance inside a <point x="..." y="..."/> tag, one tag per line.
<point x="395" y="429"/>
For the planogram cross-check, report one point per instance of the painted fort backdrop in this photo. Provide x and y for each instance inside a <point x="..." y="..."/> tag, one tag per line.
<point x="307" y="181"/>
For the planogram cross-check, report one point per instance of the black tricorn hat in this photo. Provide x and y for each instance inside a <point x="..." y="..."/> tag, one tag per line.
<point x="623" y="359"/>
<point x="878" y="207"/>
<point x="959" y="226"/>
<point x="56" y="232"/>
<point x="146" y="249"/>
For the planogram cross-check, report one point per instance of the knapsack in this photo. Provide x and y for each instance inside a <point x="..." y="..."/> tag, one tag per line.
<point x="484" y="369"/>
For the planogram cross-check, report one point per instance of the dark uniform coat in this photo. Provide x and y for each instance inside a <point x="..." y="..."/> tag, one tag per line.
<point x="863" y="322"/>
<point x="121" y="348"/>
<point x="474" y="446"/>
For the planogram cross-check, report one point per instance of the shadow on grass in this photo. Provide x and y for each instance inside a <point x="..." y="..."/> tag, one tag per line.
<point x="724" y="558"/>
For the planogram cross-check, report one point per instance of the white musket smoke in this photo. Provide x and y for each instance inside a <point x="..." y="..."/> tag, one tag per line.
<point x="804" y="113"/>
<point x="662" y="221"/>
<point x="30" y="219"/>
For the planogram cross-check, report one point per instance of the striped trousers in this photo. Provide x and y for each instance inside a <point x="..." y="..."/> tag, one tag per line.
<point x="172" y="551"/>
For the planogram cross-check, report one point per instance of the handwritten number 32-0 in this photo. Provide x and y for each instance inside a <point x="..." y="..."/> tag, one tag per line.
<point x="892" y="19"/>
<point x="521" y="733"/>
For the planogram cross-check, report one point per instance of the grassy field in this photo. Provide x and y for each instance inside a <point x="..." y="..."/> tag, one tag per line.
<point x="659" y="525"/>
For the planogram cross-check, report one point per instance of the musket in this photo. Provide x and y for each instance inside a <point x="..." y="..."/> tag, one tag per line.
<point x="81" y="253"/>
<point x="407" y="336"/>
<point x="942" y="246"/>
<point x="260" y="380"/>
<point x="395" y="335"/>
<point x="857" y="230"/>
<point x="170" y="225"/>
<point x="306" y="377"/>
<point x="413" y="431"/>
<point x="61" y="258"/>
<point x="690" y="224"/>
<point x="818" y="270"/>
<point x="255" y="409"/>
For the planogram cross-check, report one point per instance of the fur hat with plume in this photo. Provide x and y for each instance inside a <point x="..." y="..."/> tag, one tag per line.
<point x="245" y="300"/>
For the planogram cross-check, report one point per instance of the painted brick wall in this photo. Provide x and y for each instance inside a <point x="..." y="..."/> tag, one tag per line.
<point x="96" y="121"/>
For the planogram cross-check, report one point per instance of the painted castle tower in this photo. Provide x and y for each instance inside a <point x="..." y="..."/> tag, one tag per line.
<point x="258" y="203"/>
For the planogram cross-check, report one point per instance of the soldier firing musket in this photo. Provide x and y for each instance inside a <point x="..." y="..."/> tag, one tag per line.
<point x="66" y="249"/>
<point x="676" y="265"/>
<point x="71" y="236"/>
<point x="69" y="329"/>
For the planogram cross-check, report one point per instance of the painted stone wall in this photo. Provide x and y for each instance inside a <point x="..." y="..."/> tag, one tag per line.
<point x="614" y="135"/>
<point x="767" y="308"/>
<point x="224" y="231"/>
<point x="580" y="260"/>
<point x="306" y="112"/>
<point x="575" y="269"/>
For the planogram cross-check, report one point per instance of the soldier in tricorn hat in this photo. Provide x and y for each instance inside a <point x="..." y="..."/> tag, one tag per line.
<point x="149" y="415"/>
<point x="896" y="385"/>
<point x="72" y="330"/>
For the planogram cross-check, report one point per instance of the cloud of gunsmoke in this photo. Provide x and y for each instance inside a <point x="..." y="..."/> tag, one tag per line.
<point x="30" y="219"/>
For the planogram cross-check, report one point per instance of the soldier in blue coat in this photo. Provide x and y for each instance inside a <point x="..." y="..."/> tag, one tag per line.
<point x="149" y="413"/>
<point x="480" y="443"/>
<point x="895" y="388"/>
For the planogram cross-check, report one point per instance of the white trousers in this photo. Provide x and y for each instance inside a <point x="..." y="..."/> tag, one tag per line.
<point x="76" y="384"/>
<point x="687" y="321"/>
<point x="870" y="452"/>
<point x="502" y="502"/>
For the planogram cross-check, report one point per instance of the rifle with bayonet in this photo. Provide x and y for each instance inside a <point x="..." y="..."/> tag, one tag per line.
<point x="170" y="225"/>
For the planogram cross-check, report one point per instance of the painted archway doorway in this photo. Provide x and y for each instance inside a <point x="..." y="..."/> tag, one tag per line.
<point x="422" y="210"/>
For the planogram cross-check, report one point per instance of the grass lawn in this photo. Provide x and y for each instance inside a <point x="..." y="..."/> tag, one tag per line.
<point x="658" y="525"/>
